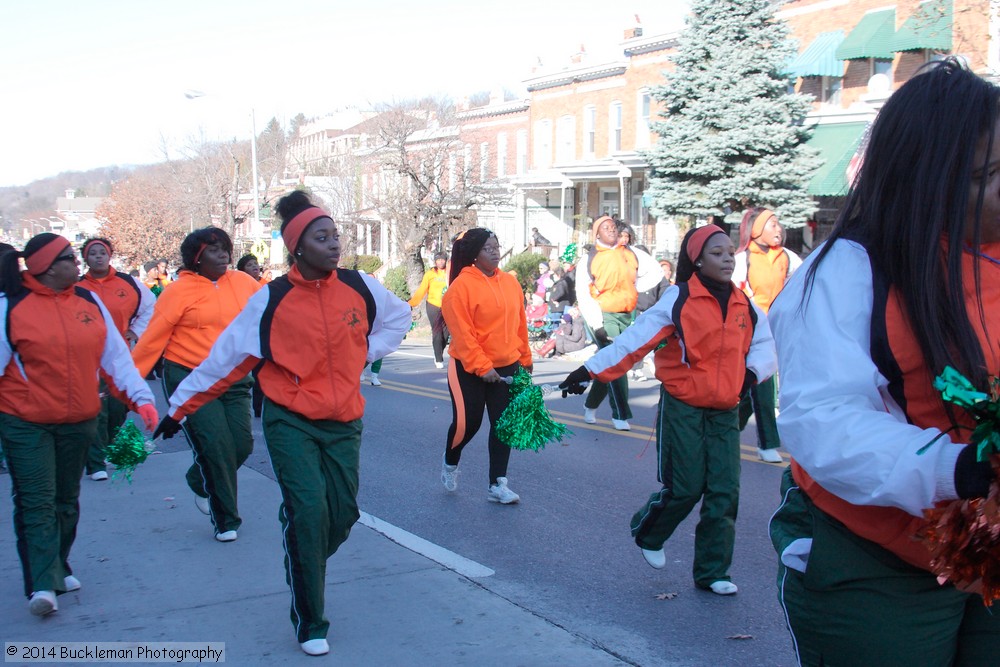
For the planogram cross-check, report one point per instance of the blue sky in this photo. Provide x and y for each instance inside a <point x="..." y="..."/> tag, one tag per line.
<point x="88" y="84"/>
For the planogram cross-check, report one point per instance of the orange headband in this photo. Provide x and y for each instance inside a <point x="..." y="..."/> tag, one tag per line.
<point x="89" y="244"/>
<point x="39" y="261"/>
<point x="757" y="228"/>
<point x="697" y="240"/>
<point x="293" y="230"/>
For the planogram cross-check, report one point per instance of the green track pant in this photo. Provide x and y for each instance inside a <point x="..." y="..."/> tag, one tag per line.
<point x="221" y="440"/>
<point x="316" y="465"/>
<point x="617" y="390"/>
<point x="112" y="416"/>
<point x="698" y="450"/>
<point x="858" y="604"/>
<point x="761" y="400"/>
<point x="45" y="463"/>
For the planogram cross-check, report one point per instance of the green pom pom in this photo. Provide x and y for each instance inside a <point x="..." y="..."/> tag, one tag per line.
<point x="984" y="408"/>
<point x="156" y="289"/>
<point x="569" y="254"/>
<point x="127" y="450"/>
<point x="525" y="423"/>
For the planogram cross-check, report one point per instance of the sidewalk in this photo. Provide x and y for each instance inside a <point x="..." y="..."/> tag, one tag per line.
<point x="152" y="571"/>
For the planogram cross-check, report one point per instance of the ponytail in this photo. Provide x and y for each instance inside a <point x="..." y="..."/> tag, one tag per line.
<point x="10" y="273"/>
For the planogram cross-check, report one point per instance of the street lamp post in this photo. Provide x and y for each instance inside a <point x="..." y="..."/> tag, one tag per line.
<point x="194" y="94"/>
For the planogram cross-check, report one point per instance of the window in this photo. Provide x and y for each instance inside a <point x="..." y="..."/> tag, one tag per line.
<point x="589" y="130"/>
<point x="881" y="66"/>
<point x="521" y="152"/>
<point x="615" y="127"/>
<point x="467" y="164"/>
<point x="484" y="161"/>
<point x="831" y="86"/>
<point x="642" y="119"/>
<point x="452" y="170"/>
<point x="543" y="144"/>
<point x="501" y="154"/>
<point x="566" y="139"/>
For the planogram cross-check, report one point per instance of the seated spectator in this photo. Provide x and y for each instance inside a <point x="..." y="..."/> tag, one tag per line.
<point x="571" y="336"/>
<point x="563" y="294"/>
<point x="537" y="313"/>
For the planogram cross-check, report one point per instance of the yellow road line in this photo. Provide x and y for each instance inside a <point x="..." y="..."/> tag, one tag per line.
<point x="572" y="420"/>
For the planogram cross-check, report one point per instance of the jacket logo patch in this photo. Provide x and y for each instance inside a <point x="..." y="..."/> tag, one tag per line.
<point x="352" y="317"/>
<point x="84" y="318"/>
<point x="741" y="321"/>
<point x="120" y="293"/>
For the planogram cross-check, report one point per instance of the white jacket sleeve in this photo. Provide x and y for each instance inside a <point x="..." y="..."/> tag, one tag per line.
<point x="649" y="272"/>
<point x="117" y="364"/>
<point x="762" y="358"/>
<point x="147" y="300"/>
<point x="392" y="320"/>
<point x="238" y="343"/>
<point x="6" y="351"/>
<point x="837" y="418"/>
<point x="630" y="346"/>
<point x="589" y="308"/>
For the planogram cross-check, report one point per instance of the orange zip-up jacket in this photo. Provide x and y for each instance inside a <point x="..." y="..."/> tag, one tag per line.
<point x="53" y="346"/>
<point x="129" y="301"/>
<point x="189" y="316"/>
<point x="614" y="271"/>
<point x="314" y="337"/>
<point x="704" y="360"/>
<point x="485" y="316"/>
<point x="434" y="285"/>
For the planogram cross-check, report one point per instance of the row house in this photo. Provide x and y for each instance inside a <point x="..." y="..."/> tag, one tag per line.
<point x="854" y="53"/>
<point x="587" y="124"/>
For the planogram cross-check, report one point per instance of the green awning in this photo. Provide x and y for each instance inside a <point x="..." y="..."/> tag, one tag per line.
<point x="836" y="143"/>
<point x="872" y="37"/>
<point x="819" y="58"/>
<point x="929" y="27"/>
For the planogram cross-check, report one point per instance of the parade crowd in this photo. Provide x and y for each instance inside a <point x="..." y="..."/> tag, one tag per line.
<point x="848" y="341"/>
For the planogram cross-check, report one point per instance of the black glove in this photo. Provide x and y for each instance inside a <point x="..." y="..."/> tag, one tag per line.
<point x="972" y="477"/>
<point x="168" y="428"/>
<point x="601" y="337"/>
<point x="574" y="382"/>
<point x="749" y="380"/>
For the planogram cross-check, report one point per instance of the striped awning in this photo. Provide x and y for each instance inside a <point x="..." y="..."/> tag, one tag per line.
<point x="819" y="58"/>
<point x="836" y="143"/>
<point x="929" y="27"/>
<point x="872" y="37"/>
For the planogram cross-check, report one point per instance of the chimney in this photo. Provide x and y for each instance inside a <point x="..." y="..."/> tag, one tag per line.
<point x="632" y="33"/>
<point x="579" y="57"/>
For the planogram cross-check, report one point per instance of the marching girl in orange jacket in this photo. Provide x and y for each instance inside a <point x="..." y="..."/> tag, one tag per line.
<point x="131" y="305"/>
<point x="314" y="329"/>
<point x="710" y="341"/>
<point x="55" y="341"/>
<point x="484" y="310"/>
<point x="189" y="316"/>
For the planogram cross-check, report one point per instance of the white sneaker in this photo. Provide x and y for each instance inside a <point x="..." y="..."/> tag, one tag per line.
<point x="438" y="364"/>
<point x="621" y="425"/>
<point x="99" y="476"/>
<point x="315" y="647"/>
<point x="656" y="559"/>
<point x="375" y="381"/>
<point x="228" y="536"/>
<point x="590" y="416"/>
<point x="71" y="583"/>
<point x="449" y="476"/>
<point x="723" y="588"/>
<point x="364" y="375"/>
<point x="202" y="504"/>
<point x="770" y="456"/>
<point x="499" y="493"/>
<point x="42" y="603"/>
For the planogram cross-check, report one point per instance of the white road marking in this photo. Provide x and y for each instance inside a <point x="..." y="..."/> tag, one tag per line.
<point x="438" y="554"/>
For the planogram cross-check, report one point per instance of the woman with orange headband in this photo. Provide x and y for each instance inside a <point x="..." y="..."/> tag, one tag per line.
<point x="314" y="329"/>
<point x="763" y="266"/>
<point x="189" y="316"/>
<point x="711" y="341"/>
<point x="131" y="305"/>
<point x="54" y="341"/>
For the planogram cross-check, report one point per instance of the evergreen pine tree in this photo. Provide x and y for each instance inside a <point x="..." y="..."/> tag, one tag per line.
<point x="732" y="135"/>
